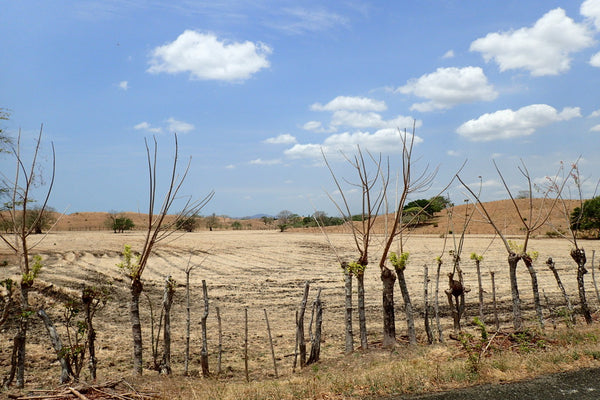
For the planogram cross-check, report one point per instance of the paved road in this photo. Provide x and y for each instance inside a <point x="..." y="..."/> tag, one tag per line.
<point x="578" y="385"/>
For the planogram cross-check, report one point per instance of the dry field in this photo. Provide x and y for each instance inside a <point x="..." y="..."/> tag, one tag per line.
<point x="258" y="270"/>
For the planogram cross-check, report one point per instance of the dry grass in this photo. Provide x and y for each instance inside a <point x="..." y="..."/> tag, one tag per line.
<point x="266" y="270"/>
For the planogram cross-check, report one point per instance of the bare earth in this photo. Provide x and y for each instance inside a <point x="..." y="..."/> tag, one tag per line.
<point x="259" y="270"/>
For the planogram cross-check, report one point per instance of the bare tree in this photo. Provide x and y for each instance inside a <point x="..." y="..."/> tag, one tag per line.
<point x="362" y="232"/>
<point x="27" y="177"/>
<point x="409" y="183"/>
<point x="577" y="252"/>
<point x="156" y="231"/>
<point x="532" y="222"/>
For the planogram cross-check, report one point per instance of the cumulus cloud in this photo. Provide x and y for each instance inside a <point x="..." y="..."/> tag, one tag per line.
<point x="260" y="161"/>
<point x="595" y="60"/>
<point x="285" y="138"/>
<point x="447" y="87"/>
<point x="179" y="126"/>
<point x="351" y="103"/>
<point x="386" y="141"/>
<point x="145" y="126"/>
<point x="595" y="128"/>
<point x="205" y="57"/>
<point x="507" y="124"/>
<point x="542" y="49"/>
<point x="370" y="120"/>
<point x="123" y="85"/>
<point x="170" y="125"/>
<point x="595" y="114"/>
<point x="591" y="10"/>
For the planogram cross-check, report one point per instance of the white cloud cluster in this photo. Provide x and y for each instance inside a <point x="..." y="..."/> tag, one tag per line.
<point x="285" y="138"/>
<point x="591" y="10"/>
<point x="448" y="87"/>
<point x="355" y="113"/>
<point x="179" y="126"/>
<point x="351" y="103"/>
<point x="260" y="161"/>
<point x="123" y="85"/>
<point x="509" y="124"/>
<point x="145" y="126"/>
<point x="206" y="57"/>
<point x="543" y="49"/>
<point x="171" y="125"/>
<point x="382" y="141"/>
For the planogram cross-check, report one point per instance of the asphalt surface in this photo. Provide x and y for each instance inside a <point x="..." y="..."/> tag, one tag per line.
<point x="577" y="385"/>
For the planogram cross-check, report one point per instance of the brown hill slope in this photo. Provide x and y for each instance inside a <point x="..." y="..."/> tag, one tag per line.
<point x="502" y="212"/>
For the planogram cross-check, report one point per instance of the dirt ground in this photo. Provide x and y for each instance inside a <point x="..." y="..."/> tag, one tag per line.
<point x="259" y="270"/>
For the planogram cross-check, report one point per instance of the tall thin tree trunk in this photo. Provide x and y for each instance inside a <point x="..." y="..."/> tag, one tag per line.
<point x="188" y="322"/>
<point x="315" y="347"/>
<point x="550" y="263"/>
<point x="88" y="299"/>
<point x="246" y="345"/>
<point x="204" y="351"/>
<point x="535" y="288"/>
<point x="136" y="325"/>
<point x="349" y="345"/>
<point x="426" y="302"/>
<point x="495" y="303"/>
<point x="480" y="285"/>
<point x="388" y="278"/>
<point x="169" y="291"/>
<point x="513" y="260"/>
<point x="437" y="302"/>
<point x="362" y="317"/>
<point x="408" y="309"/>
<point x="22" y="335"/>
<point x="271" y="344"/>
<point x="66" y="373"/>
<point x="300" y="326"/>
<point x="578" y="255"/>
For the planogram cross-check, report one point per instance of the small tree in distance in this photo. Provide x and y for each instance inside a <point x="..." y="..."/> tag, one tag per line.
<point x="284" y="219"/>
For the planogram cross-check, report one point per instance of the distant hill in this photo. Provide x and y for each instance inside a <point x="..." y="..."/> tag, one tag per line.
<point x="502" y="212"/>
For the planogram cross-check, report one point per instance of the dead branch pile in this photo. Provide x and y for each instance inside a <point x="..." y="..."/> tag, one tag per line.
<point x="120" y="389"/>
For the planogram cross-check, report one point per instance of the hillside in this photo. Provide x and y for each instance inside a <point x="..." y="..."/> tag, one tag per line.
<point x="502" y="212"/>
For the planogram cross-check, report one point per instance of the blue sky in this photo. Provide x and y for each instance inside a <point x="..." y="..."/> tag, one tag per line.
<point x="256" y="89"/>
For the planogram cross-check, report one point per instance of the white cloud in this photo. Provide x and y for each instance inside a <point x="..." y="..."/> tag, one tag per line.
<point x="179" y="126"/>
<point x="595" y="114"/>
<point x="230" y="166"/>
<point x="506" y="124"/>
<point x="351" y="103"/>
<point x="371" y="120"/>
<point x="595" y="60"/>
<point x="386" y="141"/>
<point x="260" y="161"/>
<point x="301" y="20"/>
<point x="123" y="85"/>
<point x="595" y="128"/>
<point x="449" y="54"/>
<point x="145" y="126"/>
<point x="312" y="126"/>
<point x="543" y="49"/>
<point x="206" y="57"/>
<point x="453" y="153"/>
<point x="285" y="138"/>
<point x="447" y="87"/>
<point x="591" y="9"/>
